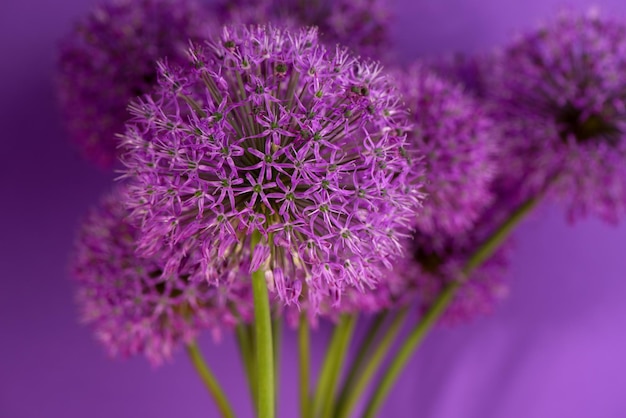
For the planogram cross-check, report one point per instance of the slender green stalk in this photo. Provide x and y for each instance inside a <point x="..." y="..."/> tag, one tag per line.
<point x="487" y="249"/>
<point x="362" y="354"/>
<point x="331" y="368"/>
<point x="339" y="362"/>
<point x="406" y="350"/>
<point x="439" y="306"/>
<point x="263" y="342"/>
<point x="327" y="365"/>
<point x="347" y="403"/>
<point x="210" y="381"/>
<point x="304" y="349"/>
<point x="246" y="350"/>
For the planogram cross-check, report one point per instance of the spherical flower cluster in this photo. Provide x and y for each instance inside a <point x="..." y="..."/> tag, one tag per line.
<point x="560" y="94"/>
<point x="265" y="130"/>
<point x="432" y="265"/>
<point x="110" y="58"/>
<point x="361" y="25"/>
<point x="458" y="139"/>
<point x="132" y="305"/>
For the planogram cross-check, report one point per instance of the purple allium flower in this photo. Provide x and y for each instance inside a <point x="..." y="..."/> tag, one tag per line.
<point x="110" y="58"/>
<point x="457" y="137"/>
<point x="560" y="95"/>
<point x="361" y="25"/>
<point x="432" y="265"/>
<point x="133" y="307"/>
<point x="265" y="130"/>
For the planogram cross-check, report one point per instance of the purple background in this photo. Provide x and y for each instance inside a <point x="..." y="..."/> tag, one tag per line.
<point x="556" y="348"/>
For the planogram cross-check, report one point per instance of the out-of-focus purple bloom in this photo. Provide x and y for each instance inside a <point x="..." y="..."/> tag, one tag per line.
<point x="110" y="58"/>
<point x="560" y="95"/>
<point x="132" y="304"/>
<point x="436" y="260"/>
<point x="361" y="25"/>
<point x="432" y="265"/>
<point x="458" y="140"/>
<point x="267" y="131"/>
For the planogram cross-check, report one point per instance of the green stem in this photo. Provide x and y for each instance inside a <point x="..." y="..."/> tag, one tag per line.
<point x="210" y="381"/>
<point x="487" y="249"/>
<point x="339" y="362"/>
<point x="439" y="306"/>
<point x="361" y="356"/>
<point x="304" y="348"/>
<point x="263" y="342"/>
<point x="325" y="373"/>
<point x="345" y="405"/>
<point x="331" y="369"/>
<point x="246" y="350"/>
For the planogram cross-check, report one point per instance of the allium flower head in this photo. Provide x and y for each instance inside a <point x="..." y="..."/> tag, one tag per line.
<point x="457" y="137"/>
<point x="132" y="305"/>
<point x="361" y="25"/>
<point x="560" y="93"/>
<point x="265" y="130"/>
<point x="432" y="264"/>
<point x="110" y="58"/>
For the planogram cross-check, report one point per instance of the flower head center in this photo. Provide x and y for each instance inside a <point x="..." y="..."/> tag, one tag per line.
<point x="594" y="127"/>
<point x="431" y="262"/>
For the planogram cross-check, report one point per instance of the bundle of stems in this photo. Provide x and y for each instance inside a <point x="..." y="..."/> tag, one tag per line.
<point x="339" y="389"/>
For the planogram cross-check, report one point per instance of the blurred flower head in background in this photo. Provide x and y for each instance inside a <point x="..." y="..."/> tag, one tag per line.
<point x="110" y="58"/>
<point x="458" y="141"/>
<point x="434" y="262"/>
<point x="559" y="94"/>
<point x="361" y="25"/>
<point x="133" y="307"/>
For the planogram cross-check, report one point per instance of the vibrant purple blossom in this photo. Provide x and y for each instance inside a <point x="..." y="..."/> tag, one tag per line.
<point x="560" y="95"/>
<point x="110" y="58"/>
<point x="265" y="130"/>
<point x="361" y="25"/>
<point x="459" y="141"/>
<point x="132" y="304"/>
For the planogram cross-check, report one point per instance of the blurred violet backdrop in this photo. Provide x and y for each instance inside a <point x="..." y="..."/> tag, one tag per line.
<point x="555" y="348"/>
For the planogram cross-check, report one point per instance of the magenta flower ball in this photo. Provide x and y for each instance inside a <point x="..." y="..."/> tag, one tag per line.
<point x="266" y="130"/>
<point x="459" y="142"/>
<point x="133" y="307"/>
<point x="110" y="58"/>
<point x="560" y="95"/>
